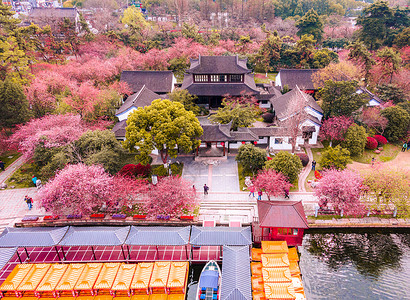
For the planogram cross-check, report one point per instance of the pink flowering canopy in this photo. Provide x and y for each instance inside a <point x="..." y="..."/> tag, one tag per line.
<point x="272" y="183"/>
<point x="77" y="189"/>
<point x="53" y="130"/>
<point x="342" y="190"/>
<point x="334" y="128"/>
<point x="171" y="196"/>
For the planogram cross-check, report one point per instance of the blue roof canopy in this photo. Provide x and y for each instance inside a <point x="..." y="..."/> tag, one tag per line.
<point x="161" y="236"/>
<point x="32" y="236"/>
<point x="219" y="236"/>
<point x="236" y="273"/>
<point x="5" y="255"/>
<point x="209" y="279"/>
<point x="95" y="236"/>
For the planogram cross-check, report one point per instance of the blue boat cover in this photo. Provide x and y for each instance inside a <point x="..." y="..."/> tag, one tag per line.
<point x="209" y="278"/>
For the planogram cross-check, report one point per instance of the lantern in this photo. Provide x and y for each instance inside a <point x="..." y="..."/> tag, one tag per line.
<point x="222" y="144"/>
<point x="243" y="143"/>
<point x="255" y="142"/>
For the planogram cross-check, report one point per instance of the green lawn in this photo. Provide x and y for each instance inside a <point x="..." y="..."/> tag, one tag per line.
<point x="261" y="78"/>
<point x="389" y="152"/>
<point x="242" y="176"/>
<point x="21" y="178"/>
<point x="9" y="157"/>
<point x="316" y="156"/>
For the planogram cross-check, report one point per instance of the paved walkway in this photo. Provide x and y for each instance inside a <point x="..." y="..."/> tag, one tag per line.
<point x="305" y="171"/>
<point x="10" y="169"/>
<point x="401" y="161"/>
<point x="220" y="175"/>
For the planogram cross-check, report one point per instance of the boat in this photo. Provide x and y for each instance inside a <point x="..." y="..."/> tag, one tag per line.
<point x="209" y="282"/>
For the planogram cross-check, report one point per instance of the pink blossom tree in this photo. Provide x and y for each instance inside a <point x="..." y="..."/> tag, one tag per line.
<point x="53" y="130"/>
<point x="272" y="183"/>
<point x="172" y="196"/>
<point x="77" y="189"/>
<point x="373" y="119"/>
<point x="334" y="128"/>
<point x="343" y="190"/>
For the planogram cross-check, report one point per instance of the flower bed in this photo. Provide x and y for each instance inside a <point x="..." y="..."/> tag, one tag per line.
<point x="141" y="217"/>
<point x="30" y="219"/>
<point x="162" y="217"/>
<point x="118" y="216"/>
<point x="50" y="218"/>
<point x="186" y="218"/>
<point x="75" y="216"/>
<point x="97" y="216"/>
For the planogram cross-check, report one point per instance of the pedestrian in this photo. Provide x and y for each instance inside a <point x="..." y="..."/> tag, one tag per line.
<point x="287" y="193"/>
<point x="313" y="165"/>
<point x="193" y="187"/>
<point x="39" y="184"/>
<point x="252" y="191"/>
<point x="2" y="165"/>
<point x="373" y="160"/>
<point x="29" y="202"/>
<point x="260" y="195"/>
<point x="34" y="180"/>
<point x="206" y="188"/>
<point x="404" y="147"/>
<point x="408" y="145"/>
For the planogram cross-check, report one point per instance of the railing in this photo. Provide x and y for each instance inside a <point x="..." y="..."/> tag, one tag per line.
<point x="370" y="212"/>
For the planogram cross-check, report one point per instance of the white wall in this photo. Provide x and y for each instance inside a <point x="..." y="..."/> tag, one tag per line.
<point x="314" y="113"/>
<point x="267" y="105"/>
<point x="278" y="82"/>
<point x="124" y="115"/>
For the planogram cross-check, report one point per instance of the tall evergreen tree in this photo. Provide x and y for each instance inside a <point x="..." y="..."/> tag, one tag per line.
<point x="14" y="106"/>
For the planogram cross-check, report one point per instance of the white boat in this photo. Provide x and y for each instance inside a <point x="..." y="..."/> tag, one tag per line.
<point x="209" y="282"/>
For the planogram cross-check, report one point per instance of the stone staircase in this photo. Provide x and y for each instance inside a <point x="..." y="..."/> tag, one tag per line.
<point x="223" y="212"/>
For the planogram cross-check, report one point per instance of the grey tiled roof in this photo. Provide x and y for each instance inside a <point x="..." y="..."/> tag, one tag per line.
<point x="32" y="236"/>
<point x="172" y="236"/>
<point x="143" y="97"/>
<point x="156" y="81"/>
<point x="218" y="236"/>
<point x="236" y="273"/>
<point x="218" y="65"/>
<point x="54" y="13"/>
<point x="119" y="129"/>
<point x="5" y="255"/>
<point x="297" y="77"/>
<point x="95" y="236"/>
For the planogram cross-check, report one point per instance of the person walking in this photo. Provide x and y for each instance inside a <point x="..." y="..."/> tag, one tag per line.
<point x="29" y="202"/>
<point x="260" y="195"/>
<point x="252" y="191"/>
<point x="373" y="160"/>
<point x="2" y="164"/>
<point x="34" y="180"/>
<point x="206" y="188"/>
<point x="404" y="147"/>
<point x="313" y="165"/>
<point x="286" y="193"/>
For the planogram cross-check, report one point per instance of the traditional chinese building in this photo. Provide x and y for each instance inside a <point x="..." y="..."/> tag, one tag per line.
<point x="280" y="221"/>
<point x="212" y="77"/>
<point x="297" y="77"/>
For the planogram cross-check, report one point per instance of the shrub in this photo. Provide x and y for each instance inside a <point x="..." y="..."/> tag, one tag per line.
<point x="136" y="170"/>
<point x="303" y="158"/>
<point x="380" y="139"/>
<point x="355" y="140"/>
<point x="287" y="164"/>
<point x="176" y="168"/>
<point x="160" y="171"/>
<point x="268" y="117"/>
<point x="371" y="143"/>
<point x="335" y="158"/>
<point x="252" y="158"/>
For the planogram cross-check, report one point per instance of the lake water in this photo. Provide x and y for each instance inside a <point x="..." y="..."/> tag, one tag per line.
<point x="356" y="265"/>
<point x="345" y="265"/>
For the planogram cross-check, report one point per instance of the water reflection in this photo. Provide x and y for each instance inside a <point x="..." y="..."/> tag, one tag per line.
<point x="356" y="265"/>
<point x="371" y="253"/>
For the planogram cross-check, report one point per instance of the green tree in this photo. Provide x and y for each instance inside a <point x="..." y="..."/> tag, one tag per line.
<point x="355" y="140"/>
<point x="398" y="122"/>
<point x="134" y="19"/>
<point x="14" y="106"/>
<point x="340" y="98"/>
<point x="359" y="53"/>
<point x="390" y="60"/>
<point x="165" y="126"/>
<point x="191" y="32"/>
<point x="252" y="158"/>
<point x="324" y="57"/>
<point x="391" y="92"/>
<point x="287" y="164"/>
<point x="375" y="21"/>
<point x="335" y="158"/>
<point x="405" y="106"/>
<point x="269" y="52"/>
<point x="186" y="99"/>
<point x="241" y="115"/>
<point x="310" y="23"/>
<point x="403" y="38"/>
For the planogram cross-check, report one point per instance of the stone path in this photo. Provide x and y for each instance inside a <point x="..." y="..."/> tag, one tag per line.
<point x="401" y="161"/>
<point x="10" y="169"/>
<point x="305" y="171"/>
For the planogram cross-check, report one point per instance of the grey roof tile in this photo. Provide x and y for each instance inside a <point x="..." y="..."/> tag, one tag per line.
<point x="5" y="255"/>
<point x="143" y="97"/>
<point x="236" y="273"/>
<point x="157" y="81"/>
<point x="217" y="236"/>
<point x="172" y="236"/>
<point x="95" y="236"/>
<point x="297" y="77"/>
<point x="32" y="236"/>
<point x="218" y="65"/>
